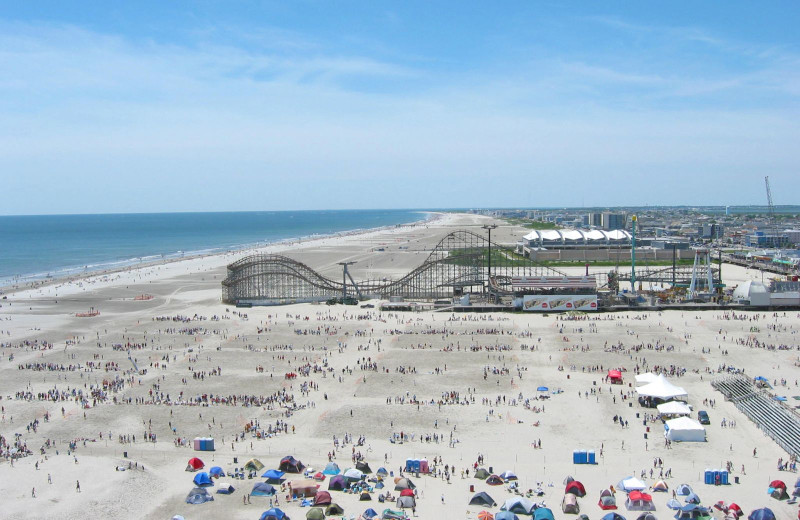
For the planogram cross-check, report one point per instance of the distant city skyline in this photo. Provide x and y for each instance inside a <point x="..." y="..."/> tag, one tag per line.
<point x="212" y="106"/>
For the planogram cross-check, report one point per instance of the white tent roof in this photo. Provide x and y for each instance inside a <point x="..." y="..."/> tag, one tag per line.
<point x="684" y="424"/>
<point x="646" y="378"/>
<point x="674" y="408"/>
<point x="631" y="484"/>
<point x="662" y="389"/>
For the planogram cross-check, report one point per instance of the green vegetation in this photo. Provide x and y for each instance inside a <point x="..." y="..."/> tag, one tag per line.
<point x="532" y="224"/>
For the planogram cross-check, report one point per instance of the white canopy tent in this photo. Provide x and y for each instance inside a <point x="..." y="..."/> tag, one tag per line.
<point x="674" y="408"/>
<point x="646" y="378"/>
<point x="631" y="484"/>
<point x="662" y="389"/>
<point x="684" y="429"/>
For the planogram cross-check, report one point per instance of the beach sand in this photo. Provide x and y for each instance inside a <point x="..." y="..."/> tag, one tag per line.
<point x="439" y="353"/>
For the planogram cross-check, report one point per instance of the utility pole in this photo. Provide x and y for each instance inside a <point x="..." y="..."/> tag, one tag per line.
<point x="490" y="227"/>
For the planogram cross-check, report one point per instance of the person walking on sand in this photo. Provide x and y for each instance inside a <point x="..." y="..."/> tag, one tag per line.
<point x="78" y="486"/>
<point x="33" y="492"/>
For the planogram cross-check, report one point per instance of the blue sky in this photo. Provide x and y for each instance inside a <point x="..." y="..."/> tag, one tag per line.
<point x="212" y="106"/>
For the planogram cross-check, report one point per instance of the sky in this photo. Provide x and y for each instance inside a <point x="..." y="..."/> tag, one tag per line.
<point x="149" y="106"/>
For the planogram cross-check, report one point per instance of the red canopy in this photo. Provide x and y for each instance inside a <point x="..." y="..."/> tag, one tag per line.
<point x="615" y="374"/>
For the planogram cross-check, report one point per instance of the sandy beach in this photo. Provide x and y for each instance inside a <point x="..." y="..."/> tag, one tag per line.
<point x="75" y="391"/>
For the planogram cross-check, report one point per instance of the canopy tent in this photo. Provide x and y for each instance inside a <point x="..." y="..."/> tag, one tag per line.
<point x="684" y="429"/>
<point x="262" y="489"/>
<point x="199" y="496"/>
<point x="631" y="484"/>
<point x="674" y="408"/>
<point x="482" y="499"/>
<point x="615" y="376"/>
<point x="607" y="502"/>
<point x="304" y="487"/>
<point x="662" y="389"/>
<point x="203" y="479"/>
<point x="273" y="474"/>
<point x="645" y="379"/>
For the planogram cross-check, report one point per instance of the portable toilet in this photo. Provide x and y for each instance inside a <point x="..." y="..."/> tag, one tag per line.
<point x="415" y="465"/>
<point x="724" y="477"/>
<point x="592" y="457"/>
<point x="409" y="464"/>
<point x="423" y="466"/>
<point x="708" y="476"/>
<point x="575" y="458"/>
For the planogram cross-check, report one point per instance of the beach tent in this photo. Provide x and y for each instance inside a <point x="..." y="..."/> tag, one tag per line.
<point x="381" y="472"/>
<point x="198" y="496"/>
<point x="647" y="516"/>
<point x="684" y="429"/>
<point x="734" y="507"/>
<point x="334" y="509"/>
<point x="304" y="487"/>
<point x="494" y="480"/>
<point x="194" y="464"/>
<point x="369" y="513"/>
<point x="253" y="465"/>
<point x="353" y="475"/>
<point x="692" y="498"/>
<point x="290" y="465"/>
<point x="631" y="484"/>
<point x="322" y="498"/>
<point x="482" y="499"/>
<point x="518" y="505"/>
<point x="406" y="502"/>
<point x="505" y="515"/>
<point x="777" y="484"/>
<point x="779" y="494"/>
<point x="660" y="486"/>
<point x="225" y="488"/>
<point x="388" y="514"/>
<point x="319" y="476"/>
<point x="615" y="376"/>
<point x="606" y="493"/>
<point x="613" y="516"/>
<point x="764" y="513"/>
<point x="607" y="502"/>
<point x="216" y="472"/>
<point x="569" y="504"/>
<point x="508" y="475"/>
<point x="274" y="514"/>
<point x="407" y="493"/>
<point x="691" y="512"/>
<point x="332" y="469"/>
<point x="638" y="501"/>
<point x="674" y="408"/>
<point x="674" y="504"/>
<point x="683" y="490"/>
<point x="543" y="513"/>
<point x="262" y="489"/>
<point x="273" y="474"/>
<point x="645" y="379"/>
<point x="365" y="496"/>
<point x="662" y="389"/>
<point x="575" y="488"/>
<point x="542" y="389"/>
<point x="363" y="467"/>
<point x="202" y="479"/>
<point x="315" y="513"/>
<point x="403" y="483"/>
<point x="482" y="474"/>
<point x="568" y="479"/>
<point x="337" y="483"/>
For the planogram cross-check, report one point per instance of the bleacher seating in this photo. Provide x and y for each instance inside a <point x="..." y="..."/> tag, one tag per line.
<point x="770" y="416"/>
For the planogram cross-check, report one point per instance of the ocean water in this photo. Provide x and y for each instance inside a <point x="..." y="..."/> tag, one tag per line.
<point x="38" y="247"/>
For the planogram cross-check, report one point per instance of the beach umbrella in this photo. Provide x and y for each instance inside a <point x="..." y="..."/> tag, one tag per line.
<point x="764" y="513"/>
<point x="485" y="515"/>
<point x="542" y="389"/>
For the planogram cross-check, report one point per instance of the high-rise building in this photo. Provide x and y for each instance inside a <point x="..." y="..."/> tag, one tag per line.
<point x="613" y="220"/>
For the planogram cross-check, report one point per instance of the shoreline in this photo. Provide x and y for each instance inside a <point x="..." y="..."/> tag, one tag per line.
<point x="282" y="245"/>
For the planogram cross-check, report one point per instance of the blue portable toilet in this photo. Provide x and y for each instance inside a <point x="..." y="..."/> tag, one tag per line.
<point x="708" y="476"/>
<point x="575" y="458"/>
<point x="415" y="465"/>
<point x="592" y="457"/>
<point x="724" y="477"/>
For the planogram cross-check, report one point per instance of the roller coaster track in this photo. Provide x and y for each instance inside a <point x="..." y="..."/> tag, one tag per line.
<point x="458" y="263"/>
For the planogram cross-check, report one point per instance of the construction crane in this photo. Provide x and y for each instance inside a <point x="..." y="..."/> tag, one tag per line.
<point x="771" y="210"/>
